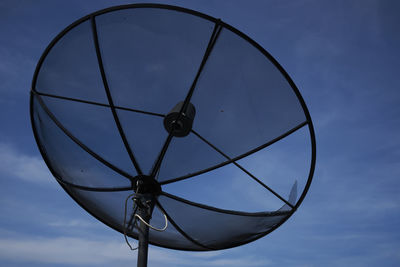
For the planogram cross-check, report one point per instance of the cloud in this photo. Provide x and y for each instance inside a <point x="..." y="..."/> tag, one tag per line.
<point x="239" y="262"/>
<point x="83" y="251"/>
<point x="63" y="250"/>
<point x="72" y="223"/>
<point x="25" y="167"/>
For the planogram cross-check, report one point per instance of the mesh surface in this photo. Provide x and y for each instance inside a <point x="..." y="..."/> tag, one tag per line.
<point x="99" y="98"/>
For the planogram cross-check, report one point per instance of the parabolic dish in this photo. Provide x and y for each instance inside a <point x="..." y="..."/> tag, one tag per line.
<point x="102" y="110"/>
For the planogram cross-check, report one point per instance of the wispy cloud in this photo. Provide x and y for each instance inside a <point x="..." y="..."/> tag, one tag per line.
<point x="63" y="250"/>
<point x="82" y="251"/>
<point x="239" y="262"/>
<point x="25" y="167"/>
<point x="71" y="223"/>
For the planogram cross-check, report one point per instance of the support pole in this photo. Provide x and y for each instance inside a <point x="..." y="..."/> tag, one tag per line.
<point x="145" y="204"/>
<point x="143" y="245"/>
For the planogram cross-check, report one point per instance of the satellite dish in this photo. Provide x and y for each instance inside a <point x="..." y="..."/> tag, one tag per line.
<point x="132" y="99"/>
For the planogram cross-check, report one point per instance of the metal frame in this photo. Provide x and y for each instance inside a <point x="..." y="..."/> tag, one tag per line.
<point x="222" y="25"/>
<point x="109" y="97"/>
<point x="98" y="104"/>
<point x="211" y="43"/>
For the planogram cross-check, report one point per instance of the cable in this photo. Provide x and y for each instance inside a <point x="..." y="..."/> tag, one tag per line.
<point x="134" y="216"/>
<point x="152" y="227"/>
<point x="134" y="222"/>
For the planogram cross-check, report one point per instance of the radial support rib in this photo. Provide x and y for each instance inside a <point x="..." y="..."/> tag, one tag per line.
<point x="179" y="229"/>
<point x="184" y="177"/>
<point x="97" y="103"/>
<point x="79" y="143"/>
<point x="109" y="97"/>
<point x="211" y="43"/>
<point x="243" y="169"/>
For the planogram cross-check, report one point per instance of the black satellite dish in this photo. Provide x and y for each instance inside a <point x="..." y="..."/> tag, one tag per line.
<point x="131" y="99"/>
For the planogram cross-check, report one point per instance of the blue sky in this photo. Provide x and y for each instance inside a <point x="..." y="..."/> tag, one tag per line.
<point x="342" y="55"/>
